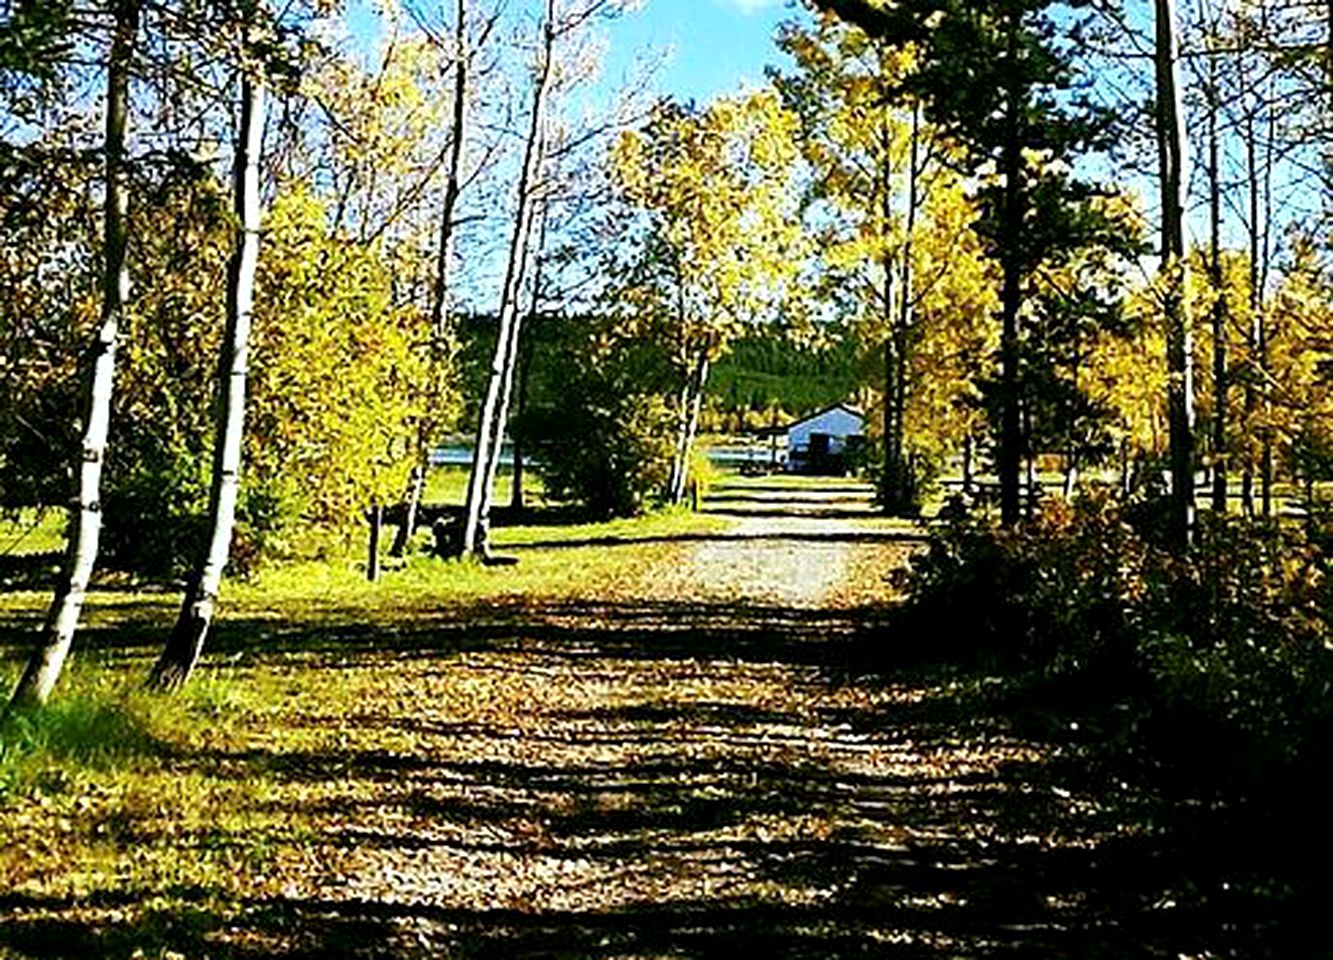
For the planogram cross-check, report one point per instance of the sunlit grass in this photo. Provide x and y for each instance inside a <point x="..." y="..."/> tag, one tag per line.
<point x="30" y="531"/>
<point x="448" y="485"/>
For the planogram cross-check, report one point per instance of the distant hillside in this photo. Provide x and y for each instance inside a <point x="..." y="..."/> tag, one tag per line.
<point x="761" y="373"/>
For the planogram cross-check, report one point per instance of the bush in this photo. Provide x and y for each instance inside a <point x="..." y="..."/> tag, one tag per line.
<point x="1052" y="593"/>
<point x="605" y="441"/>
<point x="1219" y="659"/>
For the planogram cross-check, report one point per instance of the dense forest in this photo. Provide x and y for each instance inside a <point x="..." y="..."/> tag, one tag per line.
<point x="1074" y="261"/>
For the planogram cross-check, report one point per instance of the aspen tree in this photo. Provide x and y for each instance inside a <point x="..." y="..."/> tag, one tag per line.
<point x="85" y="512"/>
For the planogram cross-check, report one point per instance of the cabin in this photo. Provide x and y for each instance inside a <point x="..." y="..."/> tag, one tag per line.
<point x="821" y="442"/>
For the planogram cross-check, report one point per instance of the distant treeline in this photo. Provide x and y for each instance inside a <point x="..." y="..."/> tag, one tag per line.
<point x="761" y="376"/>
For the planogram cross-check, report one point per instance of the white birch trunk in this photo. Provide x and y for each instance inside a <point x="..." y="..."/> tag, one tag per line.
<point x="692" y="405"/>
<point x="186" y="642"/>
<point x="85" y="513"/>
<point x="513" y="357"/>
<point x="490" y="427"/>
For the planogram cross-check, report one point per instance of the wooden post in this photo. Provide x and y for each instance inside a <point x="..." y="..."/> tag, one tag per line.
<point x="373" y="561"/>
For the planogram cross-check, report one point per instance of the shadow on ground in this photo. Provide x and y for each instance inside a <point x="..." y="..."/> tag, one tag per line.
<point x="729" y="790"/>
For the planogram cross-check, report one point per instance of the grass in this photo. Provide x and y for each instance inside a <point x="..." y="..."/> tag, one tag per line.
<point x="109" y="788"/>
<point x="31" y="531"/>
<point x="448" y="484"/>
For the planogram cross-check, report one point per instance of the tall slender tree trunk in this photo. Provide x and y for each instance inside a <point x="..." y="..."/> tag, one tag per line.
<point x="439" y="301"/>
<point x="893" y="437"/>
<point x="1171" y="155"/>
<point x="515" y="358"/>
<point x="493" y="413"/>
<point x="1219" y="313"/>
<point x="906" y="318"/>
<point x="516" y="499"/>
<point x="1010" y="452"/>
<point x="186" y="642"/>
<point x="1256" y="335"/>
<point x="678" y="454"/>
<point x="522" y="369"/>
<point x="692" y="399"/>
<point x="1266" y="464"/>
<point x="84" y="526"/>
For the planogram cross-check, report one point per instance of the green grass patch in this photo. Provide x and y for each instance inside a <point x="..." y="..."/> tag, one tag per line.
<point x="448" y="484"/>
<point x="96" y="721"/>
<point x="32" y="531"/>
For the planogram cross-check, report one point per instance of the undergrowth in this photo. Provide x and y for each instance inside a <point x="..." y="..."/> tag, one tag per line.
<point x="1216" y="663"/>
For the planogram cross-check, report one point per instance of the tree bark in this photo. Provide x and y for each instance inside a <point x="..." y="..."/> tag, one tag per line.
<point x="692" y="398"/>
<point x="514" y="358"/>
<point x="1219" y="312"/>
<point x="493" y="414"/>
<point x="1171" y="153"/>
<point x="439" y="301"/>
<point x="893" y="446"/>
<point x="906" y="316"/>
<point x="411" y="505"/>
<point x="1010" y="452"/>
<point x="524" y="369"/>
<point x="186" y="642"/>
<point x="84" y="525"/>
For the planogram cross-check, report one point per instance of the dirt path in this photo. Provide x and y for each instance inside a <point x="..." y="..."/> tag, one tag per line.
<point x="679" y="772"/>
<point x="806" y="547"/>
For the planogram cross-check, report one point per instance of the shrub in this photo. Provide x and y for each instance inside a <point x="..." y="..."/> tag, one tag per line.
<point x="604" y="441"/>
<point x="1051" y="593"/>
<point x="1221" y="659"/>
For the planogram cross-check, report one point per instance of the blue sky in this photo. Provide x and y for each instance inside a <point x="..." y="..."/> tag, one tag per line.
<point x="716" y="45"/>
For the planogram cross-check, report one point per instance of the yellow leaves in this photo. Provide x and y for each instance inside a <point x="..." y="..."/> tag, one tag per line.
<point x="341" y="375"/>
<point x="717" y="186"/>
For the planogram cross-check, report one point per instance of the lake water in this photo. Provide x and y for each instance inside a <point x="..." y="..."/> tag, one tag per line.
<point x="460" y="455"/>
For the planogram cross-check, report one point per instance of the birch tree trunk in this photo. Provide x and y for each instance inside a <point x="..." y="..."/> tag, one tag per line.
<point x="514" y="357"/>
<point x="519" y="380"/>
<point x="1266" y="463"/>
<point x="906" y="315"/>
<point x="186" y="642"/>
<point x="493" y="415"/>
<point x="84" y="525"/>
<point x="1171" y="156"/>
<point x="693" y="399"/>
<point x="679" y="454"/>
<point x="516" y="500"/>
<point x="1219" y="313"/>
<point x="893" y="438"/>
<point x="439" y="301"/>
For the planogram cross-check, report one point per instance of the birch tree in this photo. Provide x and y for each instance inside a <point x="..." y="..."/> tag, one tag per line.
<point x="85" y="517"/>
<point x="494" y="413"/>
<point x="711" y="197"/>
<point x="569" y="55"/>
<point x="462" y="53"/>
<point x="186" y="641"/>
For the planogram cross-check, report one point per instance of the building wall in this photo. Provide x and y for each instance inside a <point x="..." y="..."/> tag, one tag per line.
<point x="837" y="423"/>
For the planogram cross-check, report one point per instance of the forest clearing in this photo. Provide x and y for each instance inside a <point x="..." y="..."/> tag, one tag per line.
<point x="665" y="759"/>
